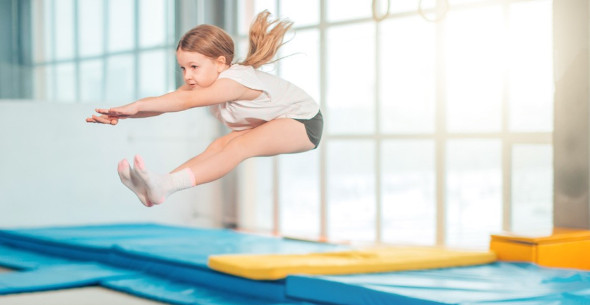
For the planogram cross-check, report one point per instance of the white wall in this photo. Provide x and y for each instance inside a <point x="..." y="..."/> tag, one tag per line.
<point x="56" y="169"/>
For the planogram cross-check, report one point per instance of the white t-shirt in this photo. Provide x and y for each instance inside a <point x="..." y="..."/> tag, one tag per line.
<point x="279" y="99"/>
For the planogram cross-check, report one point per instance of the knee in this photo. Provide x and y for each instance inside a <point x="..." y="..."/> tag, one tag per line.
<point x="238" y="148"/>
<point x="216" y="146"/>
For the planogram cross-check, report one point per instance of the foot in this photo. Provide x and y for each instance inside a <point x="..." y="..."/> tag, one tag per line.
<point x="152" y="183"/>
<point x="157" y="187"/>
<point x="132" y="182"/>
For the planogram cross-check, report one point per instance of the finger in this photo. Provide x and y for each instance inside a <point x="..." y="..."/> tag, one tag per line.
<point x="92" y="119"/>
<point x="95" y="119"/>
<point x="101" y="119"/>
<point x="104" y="111"/>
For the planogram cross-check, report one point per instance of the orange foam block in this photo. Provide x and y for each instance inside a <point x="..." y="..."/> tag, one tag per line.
<point x="564" y="248"/>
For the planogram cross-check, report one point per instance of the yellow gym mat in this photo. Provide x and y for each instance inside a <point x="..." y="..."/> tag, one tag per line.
<point x="278" y="266"/>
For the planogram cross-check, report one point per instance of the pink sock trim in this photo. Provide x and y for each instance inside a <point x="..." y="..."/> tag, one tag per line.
<point x="191" y="175"/>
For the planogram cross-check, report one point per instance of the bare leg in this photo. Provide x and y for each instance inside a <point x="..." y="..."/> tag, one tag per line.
<point x="143" y="184"/>
<point x="279" y="136"/>
<point x="213" y="148"/>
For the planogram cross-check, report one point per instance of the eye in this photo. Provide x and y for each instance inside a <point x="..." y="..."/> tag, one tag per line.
<point x="182" y="68"/>
<point x="194" y="67"/>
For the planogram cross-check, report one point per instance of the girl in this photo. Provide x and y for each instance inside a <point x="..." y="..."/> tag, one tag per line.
<point x="267" y="115"/>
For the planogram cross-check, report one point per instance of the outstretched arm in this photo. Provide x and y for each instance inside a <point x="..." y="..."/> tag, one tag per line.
<point x="223" y="90"/>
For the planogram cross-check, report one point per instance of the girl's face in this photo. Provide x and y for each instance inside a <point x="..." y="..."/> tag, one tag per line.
<point x="198" y="69"/>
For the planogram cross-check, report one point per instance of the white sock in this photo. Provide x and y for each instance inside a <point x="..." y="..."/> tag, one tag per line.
<point x="132" y="182"/>
<point x="158" y="186"/>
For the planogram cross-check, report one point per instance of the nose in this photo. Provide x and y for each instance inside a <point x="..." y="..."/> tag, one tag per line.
<point x="187" y="77"/>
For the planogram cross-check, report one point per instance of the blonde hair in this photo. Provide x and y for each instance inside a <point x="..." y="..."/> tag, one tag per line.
<point x="265" y="39"/>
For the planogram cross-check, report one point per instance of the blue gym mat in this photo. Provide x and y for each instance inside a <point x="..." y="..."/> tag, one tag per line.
<point x="169" y="264"/>
<point x="497" y="283"/>
<point x="26" y="260"/>
<point x="161" y="289"/>
<point x="58" y="277"/>
<point x="38" y="272"/>
<point x="175" y="253"/>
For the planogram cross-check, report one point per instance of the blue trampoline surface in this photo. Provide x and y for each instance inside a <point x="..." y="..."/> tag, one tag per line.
<point x="169" y="264"/>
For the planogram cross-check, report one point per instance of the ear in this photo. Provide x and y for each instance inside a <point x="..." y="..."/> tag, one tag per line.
<point x="221" y="62"/>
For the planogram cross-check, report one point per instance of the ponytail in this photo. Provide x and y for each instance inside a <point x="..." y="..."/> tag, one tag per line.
<point x="266" y="37"/>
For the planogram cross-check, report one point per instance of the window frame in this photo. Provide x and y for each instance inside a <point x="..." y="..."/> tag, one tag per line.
<point x="46" y="89"/>
<point x="508" y="139"/>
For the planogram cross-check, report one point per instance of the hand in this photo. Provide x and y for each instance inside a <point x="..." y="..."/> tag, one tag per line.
<point x="113" y="115"/>
<point x="121" y="111"/>
<point x="103" y="119"/>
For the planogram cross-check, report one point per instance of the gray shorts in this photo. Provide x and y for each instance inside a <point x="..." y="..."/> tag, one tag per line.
<point x="314" y="128"/>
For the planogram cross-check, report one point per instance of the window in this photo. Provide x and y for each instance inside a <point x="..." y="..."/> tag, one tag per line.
<point x="95" y="50"/>
<point x="436" y="132"/>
